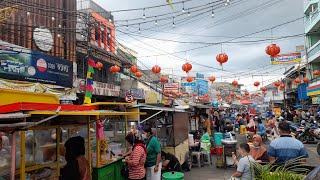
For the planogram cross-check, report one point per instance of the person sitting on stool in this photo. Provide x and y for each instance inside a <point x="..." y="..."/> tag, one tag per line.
<point x="170" y="162"/>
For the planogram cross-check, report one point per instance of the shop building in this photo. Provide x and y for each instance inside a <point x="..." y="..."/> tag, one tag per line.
<point x="312" y="24"/>
<point x="97" y="23"/>
<point x="37" y="45"/>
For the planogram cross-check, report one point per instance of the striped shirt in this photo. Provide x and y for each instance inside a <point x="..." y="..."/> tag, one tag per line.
<point x="136" y="163"/>
<point x="285" y="148"/>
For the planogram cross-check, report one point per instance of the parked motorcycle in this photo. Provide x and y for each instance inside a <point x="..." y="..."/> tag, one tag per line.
<point x="311" y="134"/>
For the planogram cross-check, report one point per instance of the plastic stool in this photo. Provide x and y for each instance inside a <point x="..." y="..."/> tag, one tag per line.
<point x="206" y="158"/>
<point x="197" y="155"/>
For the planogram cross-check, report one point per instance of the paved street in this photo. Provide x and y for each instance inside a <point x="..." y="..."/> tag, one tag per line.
<point x="213" y="173"/>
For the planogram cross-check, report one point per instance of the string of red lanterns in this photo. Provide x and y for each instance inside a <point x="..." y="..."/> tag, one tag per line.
<point x="163" y="79"/>
<point x="134" y="69"/>
<point x="156" y="69"/>
<point x="99" y="65"/>
<point x="114" y="69"/>
<point x="138" y="74"/>
<point x="212" y="79"/>
<point x="273" y="50"/>
<point x="186" y="67"/>
<point x="256" y="83"/>
<point x="189" y="79"/>
<point x="222" y="58"/>
<point x="234" y="83"/>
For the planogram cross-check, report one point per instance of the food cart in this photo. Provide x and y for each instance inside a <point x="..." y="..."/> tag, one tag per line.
<point x="37" y="133"/>
<point x="170" y="126"/>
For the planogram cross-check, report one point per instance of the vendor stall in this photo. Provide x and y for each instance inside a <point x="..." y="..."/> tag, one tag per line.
<point x="36" y="134"/>
<point x="170" y="126"/>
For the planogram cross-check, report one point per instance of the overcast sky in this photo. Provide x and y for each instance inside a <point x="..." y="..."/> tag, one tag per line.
<point x="247" y="61"/>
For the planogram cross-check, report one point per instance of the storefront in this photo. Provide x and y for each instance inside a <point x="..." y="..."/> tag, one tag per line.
<point x="36" y="134"/>
<point x="313" y="91"/>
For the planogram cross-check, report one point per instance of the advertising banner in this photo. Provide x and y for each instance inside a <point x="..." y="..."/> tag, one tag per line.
<point x="18" y="63"/>
<point x="171" y="87"/>
<point x="102" y="89"/>
<point x="286" y="58"/>
<point x="136" y="93"/>
<point x="151" y="97"/>
<point x="199" y="86"/>
<point x="62" y="93"/>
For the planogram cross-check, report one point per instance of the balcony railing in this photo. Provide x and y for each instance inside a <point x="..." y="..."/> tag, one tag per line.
<point x="314" y="50"/>
<point x="312" y="17"/>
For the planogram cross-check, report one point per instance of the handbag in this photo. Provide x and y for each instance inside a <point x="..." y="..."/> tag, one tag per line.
<point x="125" y="171"/>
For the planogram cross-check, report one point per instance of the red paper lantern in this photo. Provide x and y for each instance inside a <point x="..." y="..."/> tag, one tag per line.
<point x="134" y="69"/>
<point x="222" y="58"/>
<point x="194" y="94"/>
<point x="297" y="80"/>
<point x="273" y="91"/>
<point x="189" y="79"/>
<point x="217" y="94"/>
<point x="277" y="84"/>
<point x="156" y="69"/>
<point x="99" y="65"/>
<point x="256" y="84"/>
<point x="263" y="89"/>
<point x="232" y="94"/>
<point x="212" y="79"/>
<point x="206" y="95"/>
<point x="282" y="86"/>
<point x="234" y="83"/>
<point x="138" y="74"/>
<point x="305" y="80"/>
<point x="186" y="67"/>
<point x="273" y="50"/>
<point x="316" y="72"/>
<point x="163" y="79"/>
<point x="114" y="69"/>
<point x="246" y="93"/>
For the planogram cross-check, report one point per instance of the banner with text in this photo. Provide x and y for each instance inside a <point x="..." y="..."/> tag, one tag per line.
<point x="100" y="88"/>
<point x="286" y="58"/>
<point x="19" y="63"/>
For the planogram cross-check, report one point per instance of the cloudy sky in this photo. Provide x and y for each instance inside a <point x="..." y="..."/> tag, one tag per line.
<point x="198" y="37"/>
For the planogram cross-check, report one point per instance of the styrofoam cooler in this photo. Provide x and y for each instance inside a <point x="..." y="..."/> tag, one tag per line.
<point x="190" y="139"/>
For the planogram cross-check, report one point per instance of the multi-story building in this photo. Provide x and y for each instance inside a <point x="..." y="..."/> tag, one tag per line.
<point x="96" y="33"/>
<point x="37" y="45"/>
<point x="312" y="25"/>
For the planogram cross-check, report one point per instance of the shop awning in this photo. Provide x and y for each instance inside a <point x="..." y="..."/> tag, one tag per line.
<point x="157" y="108"/>
<point x="244" y="101"/>
<point x="85" y="113"/>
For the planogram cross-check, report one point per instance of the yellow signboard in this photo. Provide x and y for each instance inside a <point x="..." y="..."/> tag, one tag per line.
<point x="315" y="100"/>
<point x="151" y="97"/>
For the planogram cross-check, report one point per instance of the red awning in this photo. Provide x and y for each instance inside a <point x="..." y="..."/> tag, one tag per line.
<point x="244" y="101"/>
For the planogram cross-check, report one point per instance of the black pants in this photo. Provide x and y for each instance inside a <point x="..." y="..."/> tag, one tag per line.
<point x="138" y="179"/>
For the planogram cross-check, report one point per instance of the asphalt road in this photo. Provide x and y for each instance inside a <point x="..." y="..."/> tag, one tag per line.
<point x="213" y="173"/>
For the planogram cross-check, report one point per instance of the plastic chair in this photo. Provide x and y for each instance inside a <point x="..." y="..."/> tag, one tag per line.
<point x="206" y="158"/>
<point x="196" y="155"/>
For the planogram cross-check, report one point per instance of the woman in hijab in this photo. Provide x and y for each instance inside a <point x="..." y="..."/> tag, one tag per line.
<point x="258" y="152"/>
<point x="77" y="167"/>
<point x="137" y="158"/>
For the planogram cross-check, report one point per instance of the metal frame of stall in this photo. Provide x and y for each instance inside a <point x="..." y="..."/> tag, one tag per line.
<point x="178" y="149"/>
<point x="49" y="107"/>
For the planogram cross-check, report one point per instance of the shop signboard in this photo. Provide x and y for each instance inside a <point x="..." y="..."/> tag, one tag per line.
<point x="199" y="86"/>
<point x="313" y="90"/>
<point x="171" y="87"/>
<point x="151" y="97"/>
<point x="137" y="93"/>
<point x="286" y="58"/>
<point x="316" y="100"/>
<point x="19" y="63"/>
<point x="100" y="88"/>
